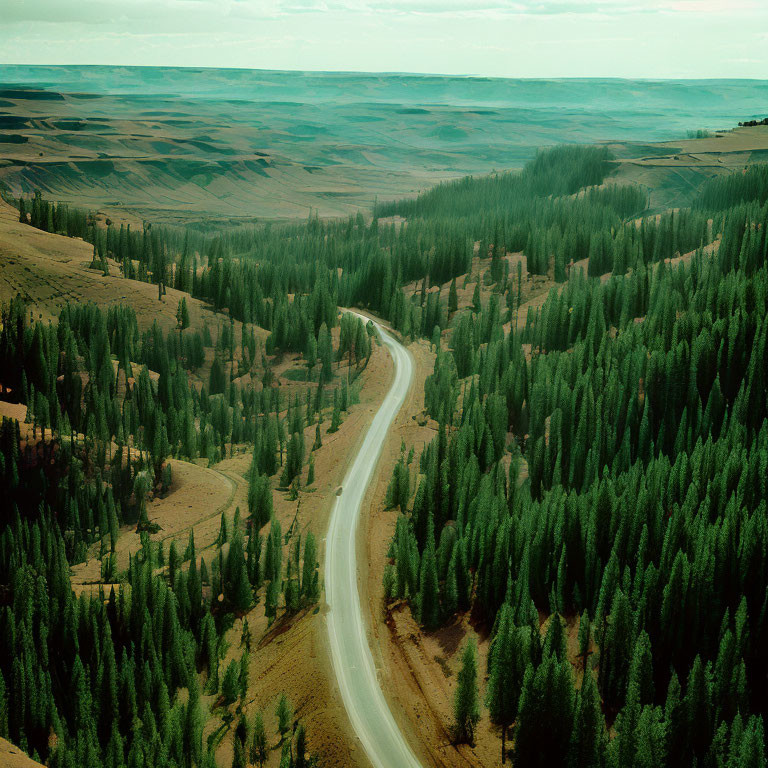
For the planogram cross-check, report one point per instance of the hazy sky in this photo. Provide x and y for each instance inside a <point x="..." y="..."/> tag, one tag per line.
<point x="529" y="38"/>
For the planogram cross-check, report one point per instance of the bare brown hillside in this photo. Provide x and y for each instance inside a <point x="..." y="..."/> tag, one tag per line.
<point x="12" y="757"/>
<point x="673" y="171"/>
<point x="50" y="270"/>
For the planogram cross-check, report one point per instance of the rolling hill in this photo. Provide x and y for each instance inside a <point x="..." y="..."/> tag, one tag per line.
<point x="50" y="270"/>
<point x="179" y="144"/>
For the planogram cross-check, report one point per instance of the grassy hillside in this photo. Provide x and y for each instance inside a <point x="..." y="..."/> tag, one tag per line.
<point x="673" y="171"/>
<point x="49" y="271"/>
<point x="13" y="757"/>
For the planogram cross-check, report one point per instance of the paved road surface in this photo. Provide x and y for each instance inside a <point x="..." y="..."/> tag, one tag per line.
<point x="352" y="660"/>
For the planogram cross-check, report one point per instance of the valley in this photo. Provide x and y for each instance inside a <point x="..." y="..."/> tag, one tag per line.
<point x="228" y="146"/>
<point x="341" y="426"/>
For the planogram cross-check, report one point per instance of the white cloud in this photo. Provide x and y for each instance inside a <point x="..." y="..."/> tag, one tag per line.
<point x="200" y="11"/>
<point x="530" y="38"/>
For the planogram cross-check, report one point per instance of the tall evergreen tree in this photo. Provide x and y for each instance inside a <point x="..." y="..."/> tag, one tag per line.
<point x="466" y="705"/>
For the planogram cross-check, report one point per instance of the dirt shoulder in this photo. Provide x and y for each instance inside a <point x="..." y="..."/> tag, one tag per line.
<point x="292" y="656"/>
<point x="417" y="670"/>
<point x="412" y="673"/>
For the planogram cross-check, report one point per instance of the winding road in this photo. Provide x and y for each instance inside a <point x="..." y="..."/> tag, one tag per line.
<point x="353" y="662"/>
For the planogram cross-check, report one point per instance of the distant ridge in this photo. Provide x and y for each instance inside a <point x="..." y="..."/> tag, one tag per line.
<point x="177" y="144"/>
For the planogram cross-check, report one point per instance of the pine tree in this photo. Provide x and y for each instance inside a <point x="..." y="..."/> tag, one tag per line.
<point x="429" y="601"/>
<point x="259" y="499"/>
<point x="476" y="304"/>
<point x="236" y="584"/>
<point x="253" y="557"/>
<point x="291" y="589"/>
<point x="336" y="415"/>
<point x="545" y="715"/>
<point x="209" y="652"/>
<point x="585" y="629"/>
<point x="174" y="563"/>
<point x="230" y="685"/>
<point x="616" y="651"/>
<point x="284" y="715"/>
<point x="270" y="600"/>
<point x="311" y="470"/>
<point x="589" y="738"/>
<point x="294" y="459"/>
<point x="466" y="705"/>
<point x="244" y="660"/>
<point x="507" y="660"/>
<point x="650" y="738"/>
<point x="258" y="750"/>
<point x="310" y="589"/>
<point x="675" y="722"/>
<point x="190" y="552"/>
<point x="453" y="299"/>
<point x="302" y="759"/>
<point x="217" y="379"/>
<point x="696" y="704"/>
<point x="224" y="534"/>
<point x="554" y="640"/>
<point x="182" y="315"/>
<point x="398" y="490"/>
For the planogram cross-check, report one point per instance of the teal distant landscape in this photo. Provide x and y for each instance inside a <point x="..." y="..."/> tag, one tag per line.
<point x="249" y="143"/>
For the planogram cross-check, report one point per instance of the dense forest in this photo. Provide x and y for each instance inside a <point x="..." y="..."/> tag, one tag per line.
<point x="599" y="474"/>
<point x="142" y="657"/>
<point x="597" y="479"/>
<point x="136" y="656"/>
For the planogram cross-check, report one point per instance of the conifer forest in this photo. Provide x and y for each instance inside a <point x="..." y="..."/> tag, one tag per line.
<point x="592" y="502"/>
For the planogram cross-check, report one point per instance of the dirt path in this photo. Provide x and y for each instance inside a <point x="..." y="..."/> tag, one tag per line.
<point x="196" y="500"/>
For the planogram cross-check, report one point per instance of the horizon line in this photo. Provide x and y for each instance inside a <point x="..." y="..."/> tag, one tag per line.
<point x="401" y="73"/>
